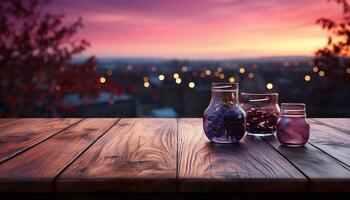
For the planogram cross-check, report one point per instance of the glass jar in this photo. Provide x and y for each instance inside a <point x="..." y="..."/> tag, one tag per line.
<point x="262" y="113"/>
<point x="224" y="119"/>
<point x="292" y="128"/>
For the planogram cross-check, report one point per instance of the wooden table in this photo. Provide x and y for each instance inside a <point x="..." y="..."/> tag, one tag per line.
<point x="165" y="156"/>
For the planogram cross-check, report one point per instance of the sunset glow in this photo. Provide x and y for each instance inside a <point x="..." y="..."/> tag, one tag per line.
<point x="210" y="29"/>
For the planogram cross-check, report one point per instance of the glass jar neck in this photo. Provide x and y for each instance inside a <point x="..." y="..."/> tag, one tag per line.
<point x="259" y="100"/>
<point x="230" y="98"/>
<point x="293" y="109"/>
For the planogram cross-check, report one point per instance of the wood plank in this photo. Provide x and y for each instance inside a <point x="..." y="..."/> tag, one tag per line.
<point x="342" y="124"/>
<point x="250" y="166"/>
<point x="332" y="141"/>
<point x="35" y="169"/>
<point x="136" y="155"/>
<point x="17" y="135"/>
<point x="5" y="121"/>
<point x="325" y="173"/>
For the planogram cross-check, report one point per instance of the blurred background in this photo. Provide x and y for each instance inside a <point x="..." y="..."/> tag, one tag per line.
<point x="155" y="58"/>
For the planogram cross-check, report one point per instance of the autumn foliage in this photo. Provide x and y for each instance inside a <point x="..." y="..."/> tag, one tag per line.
<point x="36" y="68"/>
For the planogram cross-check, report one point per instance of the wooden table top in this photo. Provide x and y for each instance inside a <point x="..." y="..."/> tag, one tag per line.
<point x="165" y="155"/>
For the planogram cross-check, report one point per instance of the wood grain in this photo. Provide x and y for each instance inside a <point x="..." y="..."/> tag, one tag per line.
<point x="342" y="124"/>
<point x="17" y="135"/>
<point x="34" y="169"/>
<point x="325" y="173"/>
<point x="136" y="155"/>
<point x="332" y="141"/>
<point x="250" y="166"/>
<point x="6" y="121"/>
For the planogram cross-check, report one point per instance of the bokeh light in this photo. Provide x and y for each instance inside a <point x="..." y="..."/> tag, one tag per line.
<point x="178" y="80"/>
<point x="321" y="73"/>
<point x="109" y="72"/>
<point x="348" y="70"/>
<point x="207" y="72"/>
<point x="251" y="75"/>
<point x="176" y="75"/>
<point x="161" y="77"/>
<point x="269" y="86"/>
<point x="219" y="69"/>
<point x="191" y="85"/>
<point x="102" y="79"/>
<point x="241" y="70"/>
<point x="232" y="79"/>
<point x="307" y="78"/>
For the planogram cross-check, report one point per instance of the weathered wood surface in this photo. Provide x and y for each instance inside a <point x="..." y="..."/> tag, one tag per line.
<point x="250" y="166"/>
<point x="35" y="169"/>
<point x="164" y="155"/>
<point x="326" y="173"/>
<point x="17" y="136"/>
<point x="136" y="155"/>
<point x="342" y="124"/>
<point x="331" y="141"/>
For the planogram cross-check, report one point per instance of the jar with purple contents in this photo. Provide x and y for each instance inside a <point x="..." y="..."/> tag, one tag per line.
<point x="262" y="112"/>
<point x="224" y="119"/>
<point x="293" y="130"/>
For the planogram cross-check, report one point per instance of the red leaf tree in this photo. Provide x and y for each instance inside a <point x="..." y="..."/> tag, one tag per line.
<point x="36" y="68"/>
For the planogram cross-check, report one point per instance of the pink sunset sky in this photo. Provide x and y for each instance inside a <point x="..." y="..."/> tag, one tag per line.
<point x="201" y="29"/>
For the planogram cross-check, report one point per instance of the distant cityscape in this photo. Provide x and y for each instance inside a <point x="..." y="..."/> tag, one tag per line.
<point x="181" y="88"/>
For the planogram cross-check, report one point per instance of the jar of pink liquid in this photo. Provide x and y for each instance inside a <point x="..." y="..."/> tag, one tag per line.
<point x="293" y="130"/>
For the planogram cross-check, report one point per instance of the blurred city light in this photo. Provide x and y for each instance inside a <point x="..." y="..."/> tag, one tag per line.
<point x="178" y="80"/>
<point x="315" y="69"/>
<point x="219" y="69"/>
<point x="129" y="67"/>
<point x="251" y="75"/>
<point x="348" y="70"/>
<point x="176" y="75"/>
<point x="146" y="84"/>
<point x="269" y="86"/>
<point x="321" y="73"/>
<point x="154" y="68"/>
<point x="145" y="79"/>
<point x="307" y="78"/>
<point x="102" y="79"/>
<point x="207" y="72"/>
<point x="161" y="77"/>
<point x="109" y="72"/>
<point x="222" y="76"/>
<point x="286" y="64"/>
<point x="191" y="85"/>
<point x="184" y="68"/>
<point x="241" y="70"/>
<point x="232" y="79"/>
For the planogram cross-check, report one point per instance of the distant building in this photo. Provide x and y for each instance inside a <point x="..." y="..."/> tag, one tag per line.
<point x="105" y="105"/>
<point x="163" y="112"/>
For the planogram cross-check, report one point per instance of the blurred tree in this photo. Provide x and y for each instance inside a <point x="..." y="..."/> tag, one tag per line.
<point x="333" y="63"/>
<point x="333" y="59"/>
<point x="36" y="68"/>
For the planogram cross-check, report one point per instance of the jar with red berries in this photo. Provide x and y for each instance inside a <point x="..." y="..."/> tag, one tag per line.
<point x="262" y="113"/>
